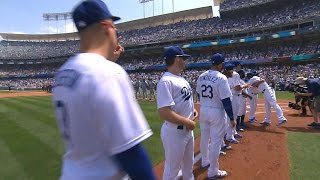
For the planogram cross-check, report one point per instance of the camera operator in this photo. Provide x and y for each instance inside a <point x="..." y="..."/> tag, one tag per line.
<point x="313" y="86"/>
<point x="303" y="100"/>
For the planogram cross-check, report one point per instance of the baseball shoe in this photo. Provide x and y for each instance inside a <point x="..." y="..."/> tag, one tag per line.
<point x="234" y="141"/>
<point x="265" y="123"/>
<point x="238" y="136"/>
<point x="252" y="120"/>
<point x="223" y="153"/>
<point x="282" y="122"/>
<point x="226" y="147"/>
<point x="221" y="174"/>
<point x="240" y="129"/>
<point x="313" y="124"/>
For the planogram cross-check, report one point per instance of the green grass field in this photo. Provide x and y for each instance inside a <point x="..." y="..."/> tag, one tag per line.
<point x="31" y="148"/>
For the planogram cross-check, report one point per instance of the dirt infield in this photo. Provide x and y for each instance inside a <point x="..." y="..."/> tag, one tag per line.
<point x="262" y="153"/>
<point x="7" y="94"/>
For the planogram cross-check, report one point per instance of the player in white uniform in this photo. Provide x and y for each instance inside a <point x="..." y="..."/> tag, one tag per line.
<point x="100" y="120"/>
<point x="269" y="100"/>
<point x="253" y="92"/>
<point x="215" y="94"/>
<point x="236" y="89"/>
<point x="242" y="102"/>
<point x="176" y="108"/>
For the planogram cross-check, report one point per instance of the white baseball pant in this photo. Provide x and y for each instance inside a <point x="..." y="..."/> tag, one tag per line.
<point x="242" y="106"/>
<point x="253" y="105"/>
<point x="231" y="131"/>
<point x="213" y="128"/>
<point x="271" y="101"/>
<point x="178" y="146"/>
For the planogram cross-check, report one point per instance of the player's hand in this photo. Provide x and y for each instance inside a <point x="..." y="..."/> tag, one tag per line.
<point x="119" y="50"/>
<point x="233" y="123"/>
<point x="190" y="124"/>
<point x="195" y="115"/>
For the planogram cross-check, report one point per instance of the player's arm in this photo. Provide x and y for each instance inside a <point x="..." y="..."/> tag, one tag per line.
<point x="246" y="95"/>
<point x="225" y="94"/>
<point x="164" y="103"/>
<point x="257" y="83"/>
<point x="228" y="108"/>
<point x="128" y="159"/>
<point x="167" y="114"/>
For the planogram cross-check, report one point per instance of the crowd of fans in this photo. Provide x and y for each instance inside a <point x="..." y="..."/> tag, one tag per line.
<point x="276" y="74"/>
<point x="242" y="53"/>
<point x="228" y="23"/>
<point x="236" y="4"/>
<point x="265" y="17"/>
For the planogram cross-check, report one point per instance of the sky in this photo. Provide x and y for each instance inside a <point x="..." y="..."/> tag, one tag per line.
<point x="26" y="16"/>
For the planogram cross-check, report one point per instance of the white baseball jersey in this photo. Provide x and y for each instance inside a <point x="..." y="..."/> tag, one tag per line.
<point x="98" y="116"/>
<point x="212" y="89"/>
<point x="263" y="86"/>
<point x="176" y="92"/>
<point x="235" y="80"/>
<point x="253" y="90"/>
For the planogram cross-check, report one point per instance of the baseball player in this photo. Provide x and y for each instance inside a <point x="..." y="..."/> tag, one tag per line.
<point x="253" y="92"/>
<point x="152" y="87"/>
<point x="242" y="102"/>
<point x="215" y="99"/>
<point x="176" y="108"/>
<point x="136" y="85"/>
<point x="236" y="89"/>
<point x="144" y="87"/>
<point x="95" y="106"/>
<point x="269" y="101"/>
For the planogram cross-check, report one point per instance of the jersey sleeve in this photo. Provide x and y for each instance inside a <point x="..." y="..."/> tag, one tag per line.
<point x="119" y="119"/>
<point x="164" y="94"/>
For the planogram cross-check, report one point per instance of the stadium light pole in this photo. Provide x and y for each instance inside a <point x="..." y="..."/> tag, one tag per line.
<point x="173" y="6"/>
<point x="162" y="7"/>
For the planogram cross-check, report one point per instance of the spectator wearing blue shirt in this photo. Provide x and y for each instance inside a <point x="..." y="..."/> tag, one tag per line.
<point x="313" y="86"/>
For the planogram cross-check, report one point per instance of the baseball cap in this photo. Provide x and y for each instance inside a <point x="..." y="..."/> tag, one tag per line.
<point x="228" y="66"/>
<point x="89" y="12"/>
<point x="254" y="73"/>
<point x="217" y="59"/>
<point x="236" y="63"/>
<point x="300" y="80"/>
<point x="250" y="75"/>
<point x="174" y="51"/>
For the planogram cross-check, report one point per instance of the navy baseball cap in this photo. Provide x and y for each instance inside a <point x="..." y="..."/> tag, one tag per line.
<point x="89" y="12"/>
<point x="249" y="75"/>
<point x="236" y="63"/>
<point x="254" y="73"/>
<point x="228" y="66"/>
<point x="217" y="59"/>
<point x="174" y="51"/>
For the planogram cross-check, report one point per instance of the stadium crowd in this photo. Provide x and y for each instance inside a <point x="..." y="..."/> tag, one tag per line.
<point x="281" y="75"/>
<point x="231" y="22"/>
<point x="236" y="4"/>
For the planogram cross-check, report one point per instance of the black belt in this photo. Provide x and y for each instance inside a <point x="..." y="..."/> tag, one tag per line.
<point x="254" y="93"/>
<point x="263" y="90"/>
<point x="180" y="127"/>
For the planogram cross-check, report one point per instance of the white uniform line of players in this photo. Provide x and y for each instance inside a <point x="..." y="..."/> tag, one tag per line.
<point x="213" y="87"/>
<point x="145" y="89"/>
